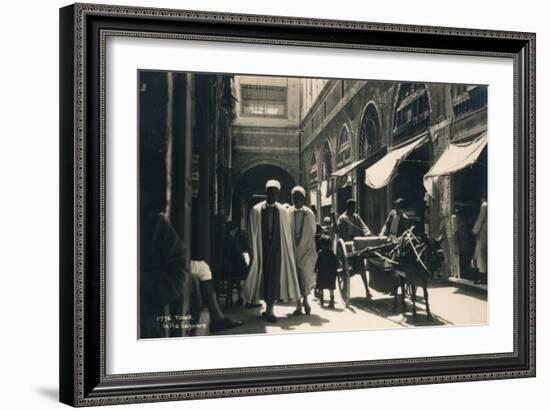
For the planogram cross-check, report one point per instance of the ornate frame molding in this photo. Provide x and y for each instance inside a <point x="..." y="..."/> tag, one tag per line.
<point x="82" y="361"/>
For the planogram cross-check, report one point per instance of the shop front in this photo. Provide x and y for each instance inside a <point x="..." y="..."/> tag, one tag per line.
<point x="466" y="164"/>
<point x="342" y="185"/>
<point x="401" y="173"/>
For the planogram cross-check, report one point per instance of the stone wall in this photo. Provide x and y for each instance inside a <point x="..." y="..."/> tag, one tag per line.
<point x="348" y="113"/>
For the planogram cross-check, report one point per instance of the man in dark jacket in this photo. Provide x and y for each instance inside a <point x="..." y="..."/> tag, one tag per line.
<point x="397" y="221"/>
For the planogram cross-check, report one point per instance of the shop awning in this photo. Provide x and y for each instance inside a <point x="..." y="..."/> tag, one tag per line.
<point x="336" y="183"/>
<point x="347" y="169"/>
<point x="383" y="171"/>
<point x="454" y="158"/>
<point x="341" y="178"/>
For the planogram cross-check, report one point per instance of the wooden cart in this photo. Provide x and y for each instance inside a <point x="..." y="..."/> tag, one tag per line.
<point x="370" y="249"/>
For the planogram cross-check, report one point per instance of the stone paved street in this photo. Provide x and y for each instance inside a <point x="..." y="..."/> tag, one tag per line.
<point x="450" y="304"/>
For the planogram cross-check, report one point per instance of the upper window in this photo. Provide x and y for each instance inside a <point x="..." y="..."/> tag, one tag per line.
<point x="370" y="138"/>
<point x="344" y="149"/>
<point x="412" y="111"/>
<point x="467" y="99"/>
<point x="264" y="101"/>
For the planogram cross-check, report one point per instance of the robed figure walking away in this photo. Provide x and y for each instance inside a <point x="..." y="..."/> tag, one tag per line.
<point x="272" y="274"/>
<point x="302" y="222"/>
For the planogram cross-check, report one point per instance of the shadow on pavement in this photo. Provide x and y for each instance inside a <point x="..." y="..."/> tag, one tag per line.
<point x="422" y="320"/>
<point x="291" y="321"/>
<point x="480" y="295"/>
<point x="459" y="289"/>
<point x="383" y="307"/>
<point x="254" y="323"/>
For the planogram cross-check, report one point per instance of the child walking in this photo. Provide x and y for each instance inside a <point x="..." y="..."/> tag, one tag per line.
<point x="325" y="268"/>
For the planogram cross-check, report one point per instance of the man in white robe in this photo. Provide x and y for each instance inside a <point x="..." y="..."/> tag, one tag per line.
<point x="302" y="223"/>
<point x="479" y="259"/>
<point x="272" y="274"/>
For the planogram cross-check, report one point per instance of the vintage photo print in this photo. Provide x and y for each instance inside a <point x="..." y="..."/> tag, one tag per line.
<point x="273" y="204"/>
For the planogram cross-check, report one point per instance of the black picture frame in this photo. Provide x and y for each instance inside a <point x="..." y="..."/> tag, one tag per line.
<point x="83" y="29"/>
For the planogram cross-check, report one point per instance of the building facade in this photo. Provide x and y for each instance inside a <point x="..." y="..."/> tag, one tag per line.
<point x="212" y="141"/>
<point x="353" y="131"/>
<point x="265" y="142"/>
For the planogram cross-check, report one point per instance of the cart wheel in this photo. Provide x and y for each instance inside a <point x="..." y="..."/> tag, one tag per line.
<point x="343" y="270"/>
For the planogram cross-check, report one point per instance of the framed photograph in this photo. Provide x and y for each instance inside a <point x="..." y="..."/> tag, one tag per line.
<point x="262" y="204"/>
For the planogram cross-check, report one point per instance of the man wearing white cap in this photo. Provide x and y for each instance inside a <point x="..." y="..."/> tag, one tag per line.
<point x="272" y="274"/>
<point x="302" y="223"/>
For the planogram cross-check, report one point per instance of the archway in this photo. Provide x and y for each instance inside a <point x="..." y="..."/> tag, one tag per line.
<point x="326" y="173"/>
<point x="343" y="159"/>
<point x="370" y="138"/>
<point x="250" y="190"/>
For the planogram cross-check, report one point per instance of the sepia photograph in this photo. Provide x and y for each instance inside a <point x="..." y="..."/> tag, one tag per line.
<point x="272" y="204"/>
<point x="261" y="204"/>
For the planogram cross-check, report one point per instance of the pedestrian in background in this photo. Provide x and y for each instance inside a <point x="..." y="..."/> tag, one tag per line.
<point x="350" y="225"/>
<point x="397" y="221"/>
<point x="326" y="269"/>
<point x="479" y="259"/>
<point x="330" y="225"/>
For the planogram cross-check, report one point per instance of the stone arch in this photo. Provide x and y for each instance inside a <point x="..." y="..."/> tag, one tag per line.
<point x="344" y="147"/>
<point x="327" y="160"/>
<point x="369" y="133"/>
<point x="249" y="187"/>
<point x="271" y="161"/>
<point x="372" y="203"/>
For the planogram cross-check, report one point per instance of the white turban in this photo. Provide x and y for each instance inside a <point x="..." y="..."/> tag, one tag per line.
<point x="273" y="183"/>
<point x="300" y="190"/>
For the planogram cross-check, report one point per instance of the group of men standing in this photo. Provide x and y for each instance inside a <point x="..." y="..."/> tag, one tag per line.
<point x="283" y="250"/>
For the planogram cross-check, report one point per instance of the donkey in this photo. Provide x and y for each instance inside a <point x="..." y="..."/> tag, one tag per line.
<point x="415" y="259"/>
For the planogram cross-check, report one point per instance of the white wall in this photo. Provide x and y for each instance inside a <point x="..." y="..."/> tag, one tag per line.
<point x="29" y="206"/>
